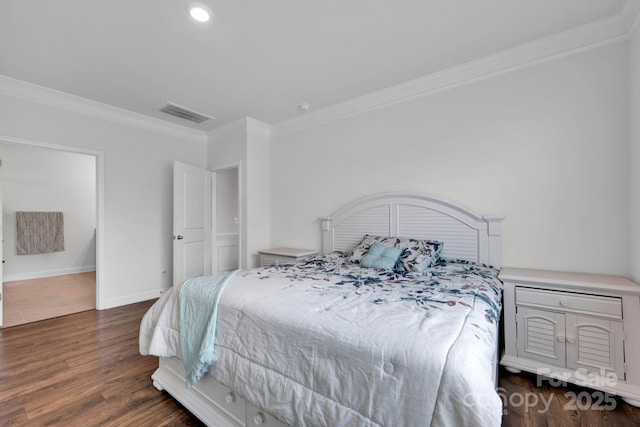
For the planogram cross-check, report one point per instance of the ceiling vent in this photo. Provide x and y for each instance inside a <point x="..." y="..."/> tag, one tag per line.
<point x="184" y="113"/>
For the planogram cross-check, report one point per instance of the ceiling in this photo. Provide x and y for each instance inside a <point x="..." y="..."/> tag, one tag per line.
<point x="261" y="58"/>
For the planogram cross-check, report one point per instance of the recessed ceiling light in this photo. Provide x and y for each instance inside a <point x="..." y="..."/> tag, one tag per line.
<point x="200" y="12"/>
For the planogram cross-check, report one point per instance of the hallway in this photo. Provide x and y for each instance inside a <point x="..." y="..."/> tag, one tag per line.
<point x="27" y="301"/>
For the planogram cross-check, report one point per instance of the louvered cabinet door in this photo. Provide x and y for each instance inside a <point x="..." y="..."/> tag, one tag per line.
<point x="541" y="335"/>
<point x="595" y="345"/>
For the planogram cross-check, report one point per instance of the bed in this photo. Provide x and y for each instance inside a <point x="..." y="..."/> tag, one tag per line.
<point x="327" y="341"/>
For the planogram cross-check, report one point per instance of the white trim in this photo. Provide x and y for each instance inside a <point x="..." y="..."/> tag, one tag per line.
<point x="609" y="30"/>
<point x="258" y="128"/>
<point x="241" y="225"/>
<point x="48" y="273"/>
<point x="31" y="92"/>
<point x="631" y="12"/>
<point x="100" y="177"/>
<point x="233" y="128"/>
<point x="133" y="298"/>
<point x="239" y="127"/>
<point x="576" y="40"/>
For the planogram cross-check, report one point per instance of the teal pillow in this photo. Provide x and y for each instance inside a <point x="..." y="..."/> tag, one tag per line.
<point x="381" y="257"/>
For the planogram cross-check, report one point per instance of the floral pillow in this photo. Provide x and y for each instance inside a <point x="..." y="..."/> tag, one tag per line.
<point x="381" y="257"/>
<point x="417" y="255"/>
<point x="363" y="247"/>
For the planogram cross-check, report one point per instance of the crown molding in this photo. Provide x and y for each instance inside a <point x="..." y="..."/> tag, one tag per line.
<point x="31" y="92"/>
<point x="631" y="12"/>
<point x="579" y="39"/>
<point x="257" y="127"/>
<point x="244" y="125"/>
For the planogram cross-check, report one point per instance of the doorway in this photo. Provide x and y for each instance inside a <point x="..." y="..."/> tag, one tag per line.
<point x="42" y="177"/>
<point x="226" y="218"/>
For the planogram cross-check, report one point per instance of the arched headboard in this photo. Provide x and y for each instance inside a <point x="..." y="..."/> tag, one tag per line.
<point x="465" y="234"/>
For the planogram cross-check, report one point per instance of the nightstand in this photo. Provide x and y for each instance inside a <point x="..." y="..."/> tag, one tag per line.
<point x="277" y="256"/>
<point x="579" y="328"/>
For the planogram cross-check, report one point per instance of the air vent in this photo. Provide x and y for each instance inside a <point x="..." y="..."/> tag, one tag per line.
<point x="184" y="113"/>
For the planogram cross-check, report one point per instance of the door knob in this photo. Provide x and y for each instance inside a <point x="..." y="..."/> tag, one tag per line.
<point x="178" y="237"/>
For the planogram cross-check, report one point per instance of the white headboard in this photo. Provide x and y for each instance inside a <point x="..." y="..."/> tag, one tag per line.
<point x="465" y="234"/>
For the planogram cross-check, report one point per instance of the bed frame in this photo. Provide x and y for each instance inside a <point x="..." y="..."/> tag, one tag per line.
<point x="466" y="235"/>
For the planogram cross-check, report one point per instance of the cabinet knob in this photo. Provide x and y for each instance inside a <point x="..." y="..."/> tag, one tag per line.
<point x="561" y="338"/>
<point x="230" y="397"/>
<point x="571" y="340"/>
<point x="564" y="303"/>
<point x="258" y="418"/>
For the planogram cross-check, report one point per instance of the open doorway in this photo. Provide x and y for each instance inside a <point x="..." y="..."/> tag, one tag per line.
<point x="38" y="177"/>
<point x="226" y="218"/>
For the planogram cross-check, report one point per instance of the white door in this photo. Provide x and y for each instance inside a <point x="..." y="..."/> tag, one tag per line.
<point x="191" y="222"/>
<point x="1" y="245"/>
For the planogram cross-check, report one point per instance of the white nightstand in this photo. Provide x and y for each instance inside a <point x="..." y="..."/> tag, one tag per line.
<point x="580" y="328"/>
<point x="277" y="256"/>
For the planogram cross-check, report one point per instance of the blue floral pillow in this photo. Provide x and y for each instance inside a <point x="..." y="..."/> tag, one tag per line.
<point x="381" y="257"/>
<point x="365" y="244"/>
<point x="417" y="255"/>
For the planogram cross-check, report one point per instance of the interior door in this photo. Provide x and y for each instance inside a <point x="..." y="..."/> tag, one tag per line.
<point x="192" y="234"/>
<point x="1" y="245"/>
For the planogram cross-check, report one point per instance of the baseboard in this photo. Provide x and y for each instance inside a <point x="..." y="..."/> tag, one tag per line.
<point x="48" y="273"/>
<point x="132" y="298"/>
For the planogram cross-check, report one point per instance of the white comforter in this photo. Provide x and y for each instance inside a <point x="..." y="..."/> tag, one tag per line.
<point x="326" y="343"/>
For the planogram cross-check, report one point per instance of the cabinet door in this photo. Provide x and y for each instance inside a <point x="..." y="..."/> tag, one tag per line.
<point x="595" y="345"/>
<point x="541" y="335"/>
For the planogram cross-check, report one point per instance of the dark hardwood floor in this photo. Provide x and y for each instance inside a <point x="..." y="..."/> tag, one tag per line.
<point x="85" y="370"/>
<point x="556" y="406"/>
<point x="82" y="370"/>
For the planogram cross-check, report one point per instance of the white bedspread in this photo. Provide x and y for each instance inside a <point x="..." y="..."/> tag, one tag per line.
<point x="326" y="343"/>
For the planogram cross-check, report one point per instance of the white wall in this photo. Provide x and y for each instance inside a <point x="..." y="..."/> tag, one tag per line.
<point x="232" y="151"/>
<point x="252" y="152"/>
<point x="137" y="187"/>
<point x="227" y="214"/>
<point x="258" y="173"/>
<point x="545" y="146"/>
<point x="37" y="179"/>
<point x="634" y="74"/>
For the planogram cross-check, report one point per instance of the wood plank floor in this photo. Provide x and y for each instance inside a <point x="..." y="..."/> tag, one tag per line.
<point x="82" y="370"/>
<point x="31" y="300"/>
<point x="85" y="370"/>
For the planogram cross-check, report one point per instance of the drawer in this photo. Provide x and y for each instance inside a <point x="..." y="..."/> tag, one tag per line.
<point x="268" y="260"/>
<point x="257" y="417"/>
<point x="217" y="394"/>
<point x="598" y="305"/>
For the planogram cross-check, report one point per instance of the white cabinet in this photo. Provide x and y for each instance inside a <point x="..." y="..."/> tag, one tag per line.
<point x="576" y="327"/>
<point x="276" y="256"/>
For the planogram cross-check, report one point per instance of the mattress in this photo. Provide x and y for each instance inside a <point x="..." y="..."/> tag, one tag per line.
<point x="326" y="342"/>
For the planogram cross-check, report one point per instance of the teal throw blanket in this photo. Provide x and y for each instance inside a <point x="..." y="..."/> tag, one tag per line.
<point x="199" y="298"/>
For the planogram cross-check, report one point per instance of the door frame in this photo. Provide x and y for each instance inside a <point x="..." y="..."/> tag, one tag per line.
<point x="99" y="155"/>
<point x="219" y="168"/>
